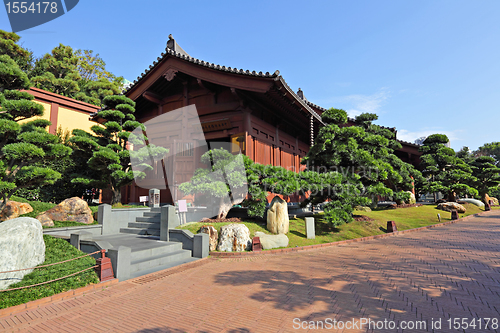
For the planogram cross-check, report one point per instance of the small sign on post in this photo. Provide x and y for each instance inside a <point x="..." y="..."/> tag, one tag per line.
<point x="144" y="199"/>
<point x="182" y="210"/>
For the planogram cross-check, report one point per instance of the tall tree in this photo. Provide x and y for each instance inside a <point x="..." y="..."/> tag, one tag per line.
<point x="23" y="145"/>
<point x="445" y="172"/>
<point x="57" y="72"/>
<point x="107" y="147"/>
<point x="97" y="82"/>
<point x="9" y="46"/>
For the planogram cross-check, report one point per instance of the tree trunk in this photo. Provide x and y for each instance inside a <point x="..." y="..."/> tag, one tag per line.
<point x="452" y="197"/>
<point x="224" y="208"/>
<point x="116" y="196"/>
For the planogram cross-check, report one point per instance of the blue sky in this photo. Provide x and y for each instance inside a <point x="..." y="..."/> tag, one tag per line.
<point x="423" y="66"/>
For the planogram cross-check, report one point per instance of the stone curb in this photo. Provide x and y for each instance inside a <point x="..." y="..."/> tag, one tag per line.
<point x="57" y="297"/>
<point x="222" y="255"/>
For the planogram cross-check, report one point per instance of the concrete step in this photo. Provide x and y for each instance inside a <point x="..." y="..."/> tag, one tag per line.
<point x="140" y="231"/>
<point x="156" y="210"/>
<point x="158" y="260"/>
<point x="159" y="248"/>
<point x="152" y="214"/>
<point x="161" y="267"/>
<point x="147" y="219"/>
<point x="144" y="225"/>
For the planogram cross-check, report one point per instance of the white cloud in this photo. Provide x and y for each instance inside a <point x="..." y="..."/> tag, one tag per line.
<point x="411" y="136"/>
<point x="359" y="104"/>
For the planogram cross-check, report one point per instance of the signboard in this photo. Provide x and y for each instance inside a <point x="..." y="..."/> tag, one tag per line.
<point x="143" y="198"/>
<point x="182" y="206"/>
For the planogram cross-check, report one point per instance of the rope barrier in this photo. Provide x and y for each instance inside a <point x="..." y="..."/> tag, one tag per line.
<point x="23" y="269"/>
<point x="39" y="284"/>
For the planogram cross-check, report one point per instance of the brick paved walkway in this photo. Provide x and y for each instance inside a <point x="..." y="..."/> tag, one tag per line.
<point x="447" y="272"/>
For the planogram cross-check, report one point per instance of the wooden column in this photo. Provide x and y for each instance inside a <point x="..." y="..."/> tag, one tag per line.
<point x="54" y="111"/>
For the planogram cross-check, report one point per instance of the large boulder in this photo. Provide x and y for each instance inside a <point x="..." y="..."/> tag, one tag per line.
<point x="21" y="246"/>
<point x="234" y="237"/>
<point x="412" y="200"/>
<point x="13" y="209"/>
<point x="72" y="209"/>
<point x="213" y="236"/>
<point x="449" y="206"/>
<point x="272" y="241"/>
<point x="478" y="203"/>
<point x="277" y="216"/>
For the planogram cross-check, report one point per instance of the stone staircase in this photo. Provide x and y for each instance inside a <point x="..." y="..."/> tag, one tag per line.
<point x="153" y="259"/>
<point x="136" y="249"/>
<point x="148" y="224"/>
<point x="149" y="254"/>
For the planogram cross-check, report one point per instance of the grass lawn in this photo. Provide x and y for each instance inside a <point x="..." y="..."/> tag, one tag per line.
<point x="405" y="218"/>
<point x="56" y="250"/>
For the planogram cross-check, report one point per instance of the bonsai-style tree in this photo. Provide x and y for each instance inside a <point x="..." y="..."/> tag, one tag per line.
<point x="487" y="176"/>
<point x="445" y="172"/>
<point x="106" y="149"/>
<point x="22" y="146"/>
<point x="230" y="177"/>
<point x="362" y="154"/>
<point x="491" y="149"/>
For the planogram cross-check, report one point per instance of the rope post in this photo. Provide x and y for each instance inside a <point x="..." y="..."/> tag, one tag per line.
<point x="104" y="268"/>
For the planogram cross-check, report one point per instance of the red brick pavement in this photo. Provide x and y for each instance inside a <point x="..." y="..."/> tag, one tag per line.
<point x="451" y="271"/>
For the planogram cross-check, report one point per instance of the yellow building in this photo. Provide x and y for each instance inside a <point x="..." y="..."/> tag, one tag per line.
<point x="64" y="112"/>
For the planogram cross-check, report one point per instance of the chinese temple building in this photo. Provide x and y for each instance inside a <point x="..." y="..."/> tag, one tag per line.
<point x="257" y="111"/>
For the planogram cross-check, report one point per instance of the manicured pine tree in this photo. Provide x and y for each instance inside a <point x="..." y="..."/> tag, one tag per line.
<point x="445" y="172"/>
<point x="229" y="176"/>
<point x="487" y="176"/>
<point x="491" y="149"/>
<point x="22" y="146"/>
<point x="106" y="148"/>
<point x="362" y="155"/>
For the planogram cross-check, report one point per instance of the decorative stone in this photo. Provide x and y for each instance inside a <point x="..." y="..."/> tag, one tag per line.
<point x="272" y="241"/>
<point x="21" y="246"/>
<point x="451" y="206"/>
<point x="487" y="198"/>
<point x="212" y="235"/>
<point x="277" y="216"/>
<point x="363" y="208"/>
<point x="72" y="209"/>
<point x="478" y="203"/>
<point x="310" y="231"/>
<point x="234" y="237"/>
<point x="494" y="201"/>
<point x="412" y="200"/>
<point x="13" y="209"/>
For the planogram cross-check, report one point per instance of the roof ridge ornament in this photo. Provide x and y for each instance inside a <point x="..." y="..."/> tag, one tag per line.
<point x="172" y="45"/>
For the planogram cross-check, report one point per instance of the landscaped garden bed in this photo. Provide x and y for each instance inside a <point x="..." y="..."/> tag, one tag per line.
<point x="373" y="223"/>
<point x="56" y="250"/>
